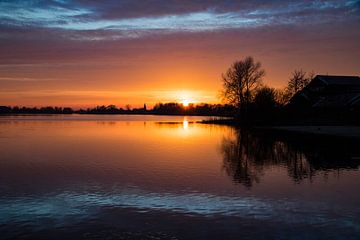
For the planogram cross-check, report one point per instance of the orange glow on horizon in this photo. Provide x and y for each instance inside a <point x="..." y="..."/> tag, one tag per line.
<point x="185" y="102"/>
<point x="91" y="98"/>
<point x="187" y="97"/>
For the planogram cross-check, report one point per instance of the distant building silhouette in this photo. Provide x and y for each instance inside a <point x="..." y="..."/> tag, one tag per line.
<point x="341" y="92"/>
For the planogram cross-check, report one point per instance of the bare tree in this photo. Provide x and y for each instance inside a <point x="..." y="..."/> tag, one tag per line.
<point x="241" y="80"/>
<point x="282" y="96"/>
<point x="298" y="81"/>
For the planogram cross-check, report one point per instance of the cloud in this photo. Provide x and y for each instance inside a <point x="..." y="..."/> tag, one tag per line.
<point x="135" y="19"/>
<point x="200" y="21"/>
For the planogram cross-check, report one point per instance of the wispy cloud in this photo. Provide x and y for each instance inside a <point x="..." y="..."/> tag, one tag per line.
<point x="26" y="14"/>
<point x="73" y="16"/>
<point x="200" y="21"/>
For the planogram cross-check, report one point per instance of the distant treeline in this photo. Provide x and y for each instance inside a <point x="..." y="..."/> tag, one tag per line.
<point x="160" y="109"/>
<point x="262" y="111"/>
<point x="35" y="110"/>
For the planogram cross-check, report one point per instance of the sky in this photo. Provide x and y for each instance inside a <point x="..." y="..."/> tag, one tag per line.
<point x="83" y="53"/>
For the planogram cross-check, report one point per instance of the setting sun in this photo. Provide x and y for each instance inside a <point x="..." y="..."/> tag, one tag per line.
<point x="185" y="102"/>
<point x="186" y="98"/>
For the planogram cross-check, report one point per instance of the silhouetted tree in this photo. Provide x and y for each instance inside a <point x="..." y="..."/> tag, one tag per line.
<point x="282" y="97"/>
<point x="240" y="81"/>
<point x="297" y="82"/>
<point x="111" y="109"/>
<point x="265" y="98"/>
<point x="67" y="110"/>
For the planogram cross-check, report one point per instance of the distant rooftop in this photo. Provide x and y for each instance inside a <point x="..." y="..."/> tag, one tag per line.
<point x="339" y="80"/>
<point x="330" y="91"/>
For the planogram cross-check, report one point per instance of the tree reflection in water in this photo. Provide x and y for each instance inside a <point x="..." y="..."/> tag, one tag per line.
<point x="247" y="154"/>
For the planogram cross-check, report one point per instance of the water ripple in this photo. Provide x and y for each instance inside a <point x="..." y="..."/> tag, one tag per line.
<point x="63" y="205"/>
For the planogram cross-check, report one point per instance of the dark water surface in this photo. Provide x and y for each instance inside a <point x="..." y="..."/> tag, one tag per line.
<point x="146" y="177"/>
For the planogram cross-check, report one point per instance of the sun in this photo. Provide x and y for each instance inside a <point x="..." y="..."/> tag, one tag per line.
<point x="185" y="102"/>
<point x="185" y="98"/>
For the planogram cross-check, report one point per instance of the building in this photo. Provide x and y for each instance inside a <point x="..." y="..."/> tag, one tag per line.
<point x="335" y="92"/>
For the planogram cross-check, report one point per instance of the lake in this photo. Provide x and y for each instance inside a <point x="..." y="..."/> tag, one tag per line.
<point x="170" y="177"/>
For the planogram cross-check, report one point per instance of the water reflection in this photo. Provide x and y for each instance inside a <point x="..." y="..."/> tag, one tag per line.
<point x="185" y="124"/>
<point x="247" y="154"/>
<point x="105" y="171"/>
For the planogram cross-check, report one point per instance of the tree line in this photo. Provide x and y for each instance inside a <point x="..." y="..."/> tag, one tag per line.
<point x="258" y="103"/>
<point x="203" y="109"/>
<point x="244" y="89"/>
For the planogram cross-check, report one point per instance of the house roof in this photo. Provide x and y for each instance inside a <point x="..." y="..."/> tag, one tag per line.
<point x="339" y="91"/>
<point x="339" y="80"/>
<point x="339" y="100"/>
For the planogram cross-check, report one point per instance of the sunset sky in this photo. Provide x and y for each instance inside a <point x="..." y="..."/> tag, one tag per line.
<point x="83" y="53"/>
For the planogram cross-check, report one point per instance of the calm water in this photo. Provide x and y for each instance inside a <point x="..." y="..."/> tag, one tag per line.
<point x="157" y="177"/>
